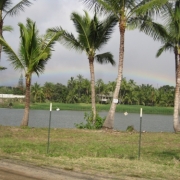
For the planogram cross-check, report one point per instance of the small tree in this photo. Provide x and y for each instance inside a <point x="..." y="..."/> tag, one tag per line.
<point x="34" y="52"/>
<point x="93" y="34"/>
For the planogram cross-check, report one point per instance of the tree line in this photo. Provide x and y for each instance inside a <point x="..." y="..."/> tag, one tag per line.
<point x="78" y="90"/>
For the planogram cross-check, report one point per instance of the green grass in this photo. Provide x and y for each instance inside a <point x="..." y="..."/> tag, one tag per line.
<point x="100" y="107"/>
<point x="111" y="152"/>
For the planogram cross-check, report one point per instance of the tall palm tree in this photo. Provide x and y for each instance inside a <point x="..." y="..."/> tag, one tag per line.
<point x="93" y="34"/>
<point x="71" y="83"/>
<point x="171" y="42"/>
<point x="34" y="52"/>
<point x="6" y="9"/>
<point x="99" y="84"/>
<point x="130" y="15"/>
<point x="79" y="81"/>
<point x="35" y="91"/>
<point x="48" y="90"/>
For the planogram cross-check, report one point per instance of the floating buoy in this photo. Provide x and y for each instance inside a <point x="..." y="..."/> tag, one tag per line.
<point x="57" y="109"/>
<point x="125" y="113"/>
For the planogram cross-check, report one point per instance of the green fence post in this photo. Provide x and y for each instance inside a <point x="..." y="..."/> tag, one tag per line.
<point x="49" y="127"/>
<point x="139" y="153"/>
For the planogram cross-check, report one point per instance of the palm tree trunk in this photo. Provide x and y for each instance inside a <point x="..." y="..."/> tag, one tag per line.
<point x="176" y="72"/>
<point x="25" y="119"/>
<point x="176" y="100"/>
<point x="93" y="94"/>
<point x="1" y="27"/>
<point x="109" y="122"/>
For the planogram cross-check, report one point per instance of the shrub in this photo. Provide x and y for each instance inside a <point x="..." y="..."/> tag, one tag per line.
<point x="89" y="122"/>
<point x="130" y="128"/>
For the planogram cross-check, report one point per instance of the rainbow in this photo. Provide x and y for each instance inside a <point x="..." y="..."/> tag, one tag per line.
<point x="56" y="73"/>
<point x="148" y="78"/>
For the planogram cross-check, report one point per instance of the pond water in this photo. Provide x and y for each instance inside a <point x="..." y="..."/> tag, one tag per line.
<point x="67" y="119"/>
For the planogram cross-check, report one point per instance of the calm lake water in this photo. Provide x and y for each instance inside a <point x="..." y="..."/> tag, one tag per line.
<point x="66" y="119"/>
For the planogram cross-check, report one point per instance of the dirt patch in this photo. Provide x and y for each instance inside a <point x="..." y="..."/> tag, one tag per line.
<point x="17" y="170"/>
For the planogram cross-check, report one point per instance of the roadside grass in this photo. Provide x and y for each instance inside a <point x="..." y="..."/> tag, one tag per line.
<point x="100" y="107"/>
<point x="95" y="151"/>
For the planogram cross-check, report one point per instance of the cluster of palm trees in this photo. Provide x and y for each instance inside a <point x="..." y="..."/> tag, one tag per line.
<point x="139" y="14"/>
<point x="78" y="90"/>
<point x="92" y="35"/>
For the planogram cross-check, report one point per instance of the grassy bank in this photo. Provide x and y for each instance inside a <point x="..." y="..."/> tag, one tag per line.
<point x="115" y="153"/>
<point x="100" y="107"/>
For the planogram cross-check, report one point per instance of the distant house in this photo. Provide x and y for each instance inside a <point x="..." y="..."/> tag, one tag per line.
<point x="105" y="98"/>
<point x="6" y="97"/>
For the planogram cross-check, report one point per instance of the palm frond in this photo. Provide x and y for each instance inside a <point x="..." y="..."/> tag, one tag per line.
<point x="18" y="7"/>
<point x="39" y="66"/>
<point x="2" y="68"/>
<point x="97" y="5"/>
<point x="166" y="47"/>
<point x="148" y="26"/>
<point x="26" y="42"/>
<point x="105" y="30"/>
<point x="150" y="7"/>
<point x="12" y="56"/>
<point x="5" y="5"/>
<point x="54" y="30"/>
<point x="43" y="50"/>
<point x="107" y="7"/>
<point x="7" y="28"/>
<point x="105" y="58"/>
<point x="67" y="39"/>
<point x="82" y="24"/>
<point x="47" y="46"/>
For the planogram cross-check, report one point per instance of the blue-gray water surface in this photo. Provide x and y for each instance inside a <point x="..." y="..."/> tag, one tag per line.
<point x="67" y="119"/>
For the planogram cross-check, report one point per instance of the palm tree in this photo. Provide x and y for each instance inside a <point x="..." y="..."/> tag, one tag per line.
<point x="130" y="94"/>
<point x="34" y="52"/>
<point x="40" y="94"/>
<point x="92" y="35"/>
<point x="35" y="90"/>
<point x="71" y="83"/>
<point x="165" y="96"/>
<point x="171" y="41"/>
<point x="86" y="87"/>
<point x="130" y="15"/>
<point x="79" y="82"/>
<point x="48" y="90"/>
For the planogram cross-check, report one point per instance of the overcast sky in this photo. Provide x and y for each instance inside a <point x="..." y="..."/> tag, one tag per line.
<point x="140" y="63"/>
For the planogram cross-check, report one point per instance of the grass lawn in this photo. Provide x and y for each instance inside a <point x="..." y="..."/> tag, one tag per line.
<point x="96" y="151"/>
<point x="100" y="107"/>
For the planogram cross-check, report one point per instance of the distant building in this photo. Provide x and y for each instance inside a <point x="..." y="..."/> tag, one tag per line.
<point x="6" y="97"/>
<point x="105" y="98"/>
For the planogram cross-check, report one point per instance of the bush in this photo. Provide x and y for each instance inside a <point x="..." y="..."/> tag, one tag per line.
<point x="130" y="128"/>
<point x="10" y="105"/>
<point x="89" y="122"/>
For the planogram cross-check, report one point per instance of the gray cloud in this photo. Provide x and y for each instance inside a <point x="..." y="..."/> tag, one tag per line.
<point x="140" y="63"/>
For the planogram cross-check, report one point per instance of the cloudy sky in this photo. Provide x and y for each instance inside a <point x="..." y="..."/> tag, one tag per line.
<point x="140" y="63"/>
